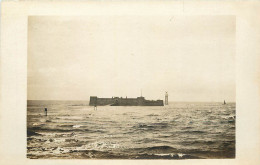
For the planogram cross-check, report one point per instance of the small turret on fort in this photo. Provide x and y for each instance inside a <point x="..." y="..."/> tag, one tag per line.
<point x="166" y="98"/>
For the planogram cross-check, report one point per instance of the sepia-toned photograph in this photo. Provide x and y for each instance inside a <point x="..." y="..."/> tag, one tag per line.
<point x="131" y="87"/>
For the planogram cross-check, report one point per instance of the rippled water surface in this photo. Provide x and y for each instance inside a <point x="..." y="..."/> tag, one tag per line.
<point x="74" y="130"/>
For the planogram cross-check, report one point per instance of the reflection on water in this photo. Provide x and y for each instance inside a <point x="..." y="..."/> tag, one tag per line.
<point x="73" y="129"/>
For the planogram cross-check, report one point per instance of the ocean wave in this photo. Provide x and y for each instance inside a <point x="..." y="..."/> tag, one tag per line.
<point x="166" y="156"/>
<point x="32" y="133"/>
<point x="152" y="115"/>
<point x="76" y="126"/>
<point x="154" y="149"/>
<point x="193" y="132"/>
<point x="196" y="142"/>
<point x="151" y="126"/>
<point x="78" y="105"/>
<point x="160" y="148"/>
<point x="229" y="117"/>
<point x="100" y="145"/>
<point x="183" y="131"/>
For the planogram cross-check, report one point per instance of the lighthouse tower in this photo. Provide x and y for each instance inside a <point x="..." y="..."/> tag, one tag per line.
<point x="166" y="98"/>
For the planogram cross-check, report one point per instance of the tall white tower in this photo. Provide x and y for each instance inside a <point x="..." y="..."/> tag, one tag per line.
<point x="166" y="98"/>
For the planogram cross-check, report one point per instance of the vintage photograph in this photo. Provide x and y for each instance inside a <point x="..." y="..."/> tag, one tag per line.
<point x="131" y="87"/>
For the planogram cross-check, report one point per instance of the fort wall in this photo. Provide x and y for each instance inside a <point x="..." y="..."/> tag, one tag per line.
<point x="119" y="101"/>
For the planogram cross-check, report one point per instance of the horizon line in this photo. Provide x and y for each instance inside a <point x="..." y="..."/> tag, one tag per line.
<point x="163" y="100"/>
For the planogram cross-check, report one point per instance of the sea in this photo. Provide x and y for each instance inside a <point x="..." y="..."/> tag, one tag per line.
<point x="180" y="130"/>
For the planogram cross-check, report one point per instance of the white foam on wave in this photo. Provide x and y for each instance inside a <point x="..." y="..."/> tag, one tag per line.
<point x="169" y="154"/>
<point x="100" y="146"/>
<point x="229" y="117"/>
<point x="180" y="155"/>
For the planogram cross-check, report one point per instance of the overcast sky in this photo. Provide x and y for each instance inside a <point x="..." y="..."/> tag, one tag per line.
<point x="191" y="57"/>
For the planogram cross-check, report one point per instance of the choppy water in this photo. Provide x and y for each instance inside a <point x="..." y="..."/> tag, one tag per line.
<point x="73" y="129"/>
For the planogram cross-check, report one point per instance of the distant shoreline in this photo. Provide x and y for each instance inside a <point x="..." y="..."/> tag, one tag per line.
<point x="169" y="101"/>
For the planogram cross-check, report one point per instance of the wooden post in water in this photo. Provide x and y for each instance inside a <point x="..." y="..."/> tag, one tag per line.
<point x="46" y="111"/>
